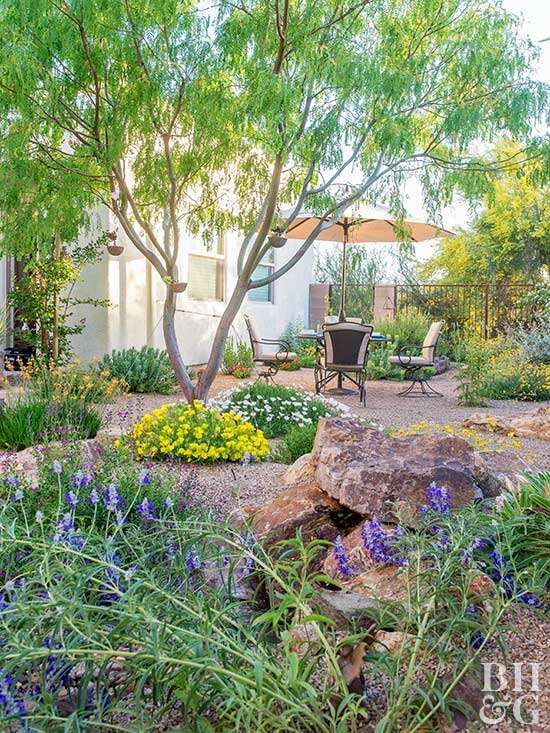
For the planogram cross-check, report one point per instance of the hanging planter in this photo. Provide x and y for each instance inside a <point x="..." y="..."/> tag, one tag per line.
<point x="177" y="287"/>
<point x="277" y="240"/>
<point x="112" y="247"/>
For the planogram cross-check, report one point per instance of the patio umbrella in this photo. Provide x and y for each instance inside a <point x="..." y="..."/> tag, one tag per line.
<point x="356" y="229"/>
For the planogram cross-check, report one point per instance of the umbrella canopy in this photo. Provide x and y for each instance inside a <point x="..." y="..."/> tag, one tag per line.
<point x="359" y="228"/>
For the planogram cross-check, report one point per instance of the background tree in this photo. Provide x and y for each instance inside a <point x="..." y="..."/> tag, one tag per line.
<point x="183" y="120"/>
<point x="509" y="240"/>
<point x="364" y="268"/>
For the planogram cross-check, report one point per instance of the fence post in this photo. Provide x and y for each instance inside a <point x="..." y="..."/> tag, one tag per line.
<point x="385" y="302"/>
<point x="318" y="303"/>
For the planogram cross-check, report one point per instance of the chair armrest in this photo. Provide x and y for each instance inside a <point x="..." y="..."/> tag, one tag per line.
<point x="405" y="358"/>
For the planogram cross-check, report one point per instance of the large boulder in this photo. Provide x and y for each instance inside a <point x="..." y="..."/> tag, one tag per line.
<point x="374" y="474"/>
<point x="531" y="425"/>
<point x="303" y="507"/>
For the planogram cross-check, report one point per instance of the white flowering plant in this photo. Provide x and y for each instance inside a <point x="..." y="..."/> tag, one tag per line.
<point x="276" y="409"/>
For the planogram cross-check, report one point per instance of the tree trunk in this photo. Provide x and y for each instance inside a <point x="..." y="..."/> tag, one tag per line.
<point x="172" y="347"/>
<point x="216" y="353"/>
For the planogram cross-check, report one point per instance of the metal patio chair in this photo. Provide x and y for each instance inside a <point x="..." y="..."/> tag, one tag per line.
<point x="413" y="365"/>
<point x="343" y="355"/>
<point x="271" y="359"/>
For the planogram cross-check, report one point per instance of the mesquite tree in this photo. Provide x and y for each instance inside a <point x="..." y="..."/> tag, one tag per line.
<point x="184" y="117"/>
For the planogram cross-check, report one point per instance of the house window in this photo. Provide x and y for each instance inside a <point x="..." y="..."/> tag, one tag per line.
<point x="265" y="268"/>
<point x="206" y="275"/>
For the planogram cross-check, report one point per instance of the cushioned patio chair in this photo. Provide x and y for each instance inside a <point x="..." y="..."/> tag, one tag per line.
<point x="413" y="365"/>
<point x="344" y="355"/>
<point x="263" y="352"/>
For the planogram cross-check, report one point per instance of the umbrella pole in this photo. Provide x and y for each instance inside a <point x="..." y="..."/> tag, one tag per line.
<point x="342" y="314"/>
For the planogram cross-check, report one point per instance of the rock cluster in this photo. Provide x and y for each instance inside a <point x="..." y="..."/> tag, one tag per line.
<point x="531" y="425"/>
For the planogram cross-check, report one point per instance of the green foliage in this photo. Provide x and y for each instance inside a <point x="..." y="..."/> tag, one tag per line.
<point x="274" y="408"/>
<point x="445" y="630"/>
<point x="45" y="293"/>
<point x="497" y="369"/>
<point x="537" y="301"/>
<point x="296" y="442"/>
<point x="378" y="364"/>
<point x="534" y="341"/>
<point x="29" y="421"/>
<point x="237" y="359"/>
<point x="145" y="371"/>
<point x="144" y="614"/>
<point x="363" y="270"/>
<point x="306" y="350"/>
<point x="509" y="240"/>
<point x="526" y="513"/>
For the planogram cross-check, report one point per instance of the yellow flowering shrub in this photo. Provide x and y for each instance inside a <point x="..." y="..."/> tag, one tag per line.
<point x="195" y="433"/>
<point x="70" y="382"/>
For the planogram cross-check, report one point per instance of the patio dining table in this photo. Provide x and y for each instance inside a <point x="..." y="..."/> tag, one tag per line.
<point x="310" y="334"/>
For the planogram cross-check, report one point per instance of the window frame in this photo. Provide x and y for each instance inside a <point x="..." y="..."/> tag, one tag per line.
<point x="217" y="257"/>
<point x="269" y="262"/>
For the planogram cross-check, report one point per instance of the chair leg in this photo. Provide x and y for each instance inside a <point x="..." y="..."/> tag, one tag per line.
<point x="425" y="388"/>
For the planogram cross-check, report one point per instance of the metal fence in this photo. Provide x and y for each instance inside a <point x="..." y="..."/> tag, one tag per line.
<point x="359" y="301"/>
<point x="486" y="309"/>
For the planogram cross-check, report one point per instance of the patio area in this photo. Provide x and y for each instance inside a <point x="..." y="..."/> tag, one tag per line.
<point x="390" y="411"/>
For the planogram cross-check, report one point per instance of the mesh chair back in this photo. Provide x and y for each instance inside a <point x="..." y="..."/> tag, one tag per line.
<point x="432" y="337"/>
<point x="346" y="344"/>
<point x="254" y="340"/>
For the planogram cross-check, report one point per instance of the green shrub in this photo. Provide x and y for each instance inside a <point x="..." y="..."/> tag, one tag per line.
<point x="526" y="513"/>
<point x="534" y="342"/>
<point x="276" y="409"/>
<point x="145" y="371"/>
<point x="378" y="364"/>
<point x="496" y="369"/>
<point x="237" y="359"/>
<point x="307" y="353"/>
<point x="29" y="421"/>
<point x="296" y="442"/>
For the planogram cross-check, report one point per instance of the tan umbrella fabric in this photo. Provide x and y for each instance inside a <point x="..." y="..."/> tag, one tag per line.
<point x="358" y="229"/>
<point x="364" y="230"/>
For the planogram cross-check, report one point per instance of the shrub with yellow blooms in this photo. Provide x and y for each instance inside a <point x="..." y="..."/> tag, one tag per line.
<point x="197" y="434"/>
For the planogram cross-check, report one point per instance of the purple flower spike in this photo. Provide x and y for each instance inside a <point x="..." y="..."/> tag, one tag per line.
<point x="530" y="599"/>
<point x="438" y="498"/>
<point x="192" y="560"/>
<point x="380" y="545"/>
<point x="80" y="480"/>
<point x="94" y="497"/>
<point x="56" y="468"/>
<point x="147" y="509"/>
<point x="112" y="499"/>
<point x="11" y="480"/>
<point x="144" y="477"/>
<point x="340" y="555"/>
<point x="72" y="499"/>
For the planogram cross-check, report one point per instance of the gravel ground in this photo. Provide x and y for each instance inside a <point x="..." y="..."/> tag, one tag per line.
<point x="526" y="640"/>
<point x="386" y="408"/>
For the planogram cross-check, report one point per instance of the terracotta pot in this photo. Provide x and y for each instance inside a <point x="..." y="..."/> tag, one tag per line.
<point x="178" y="287"/>
<point x="115" y="249"/>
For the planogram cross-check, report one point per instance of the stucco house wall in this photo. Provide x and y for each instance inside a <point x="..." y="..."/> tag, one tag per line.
<point x="136" y="294"/>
